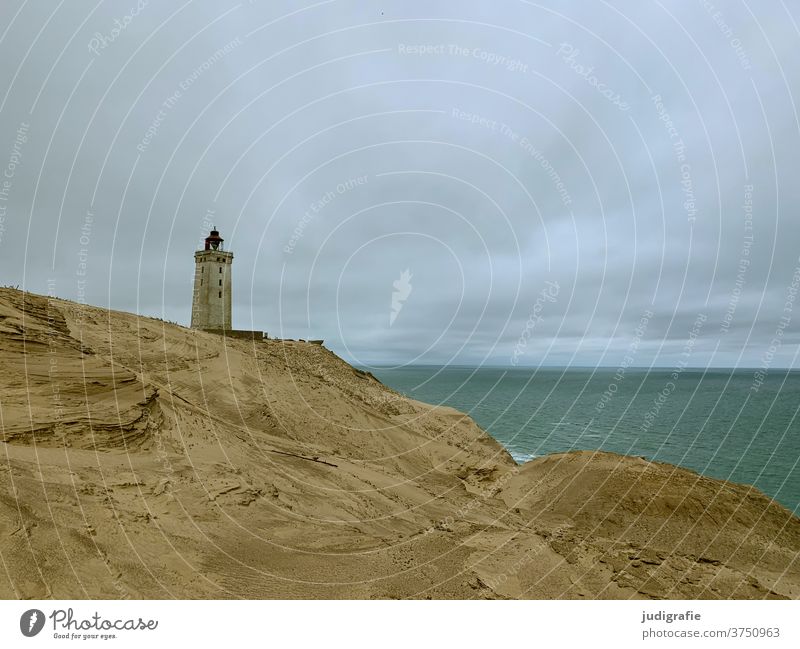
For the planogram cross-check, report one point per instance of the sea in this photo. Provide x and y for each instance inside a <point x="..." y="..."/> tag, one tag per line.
<point x="737" y="425"/>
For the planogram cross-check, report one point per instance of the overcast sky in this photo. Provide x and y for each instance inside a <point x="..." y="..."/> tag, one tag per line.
<point x="565" y="183"/>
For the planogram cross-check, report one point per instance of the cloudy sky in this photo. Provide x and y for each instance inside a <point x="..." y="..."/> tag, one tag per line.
<point x="564" y="183"/>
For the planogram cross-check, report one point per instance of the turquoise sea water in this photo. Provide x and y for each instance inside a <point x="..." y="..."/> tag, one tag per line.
<point x="707" y="420"/>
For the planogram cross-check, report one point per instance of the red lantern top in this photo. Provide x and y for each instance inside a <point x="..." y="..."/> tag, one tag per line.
<point x="214" y="241"/>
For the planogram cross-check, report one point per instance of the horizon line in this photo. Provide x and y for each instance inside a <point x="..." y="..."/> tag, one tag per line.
<point x="577" y="367"/>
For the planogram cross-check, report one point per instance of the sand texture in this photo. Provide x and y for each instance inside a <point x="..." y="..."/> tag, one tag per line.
<point x="140" y="459"/>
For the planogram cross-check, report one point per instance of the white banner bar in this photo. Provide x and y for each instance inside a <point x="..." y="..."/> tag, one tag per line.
<point x="388" y="624"/>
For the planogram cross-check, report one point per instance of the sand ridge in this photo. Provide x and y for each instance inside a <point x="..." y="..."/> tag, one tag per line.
<point x="141" y="459"/>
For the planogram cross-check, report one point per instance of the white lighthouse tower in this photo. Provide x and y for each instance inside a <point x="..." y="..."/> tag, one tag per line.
<point x="211" y="302"/>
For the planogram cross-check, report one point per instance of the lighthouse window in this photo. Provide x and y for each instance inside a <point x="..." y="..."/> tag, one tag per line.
<point x="220" y="293"/>
<point x="220" y="269"/>
<point x="220" y="282"/>
<point x="201" y="269"/>
<point x="201" y="282"/>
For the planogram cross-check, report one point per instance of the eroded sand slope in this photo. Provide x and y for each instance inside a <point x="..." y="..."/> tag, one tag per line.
<point x="141" y="459"/>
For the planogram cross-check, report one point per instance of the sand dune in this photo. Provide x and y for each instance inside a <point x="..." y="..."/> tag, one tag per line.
<point x="141" y="459"/>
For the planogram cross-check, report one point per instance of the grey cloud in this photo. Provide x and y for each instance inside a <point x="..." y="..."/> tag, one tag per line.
<point x="494" y="163"/>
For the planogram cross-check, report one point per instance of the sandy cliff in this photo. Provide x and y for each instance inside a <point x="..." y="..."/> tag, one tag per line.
<point x="141" y="459"/>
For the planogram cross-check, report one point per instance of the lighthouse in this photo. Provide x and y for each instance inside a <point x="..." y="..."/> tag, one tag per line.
<point x="211" y="301"/>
